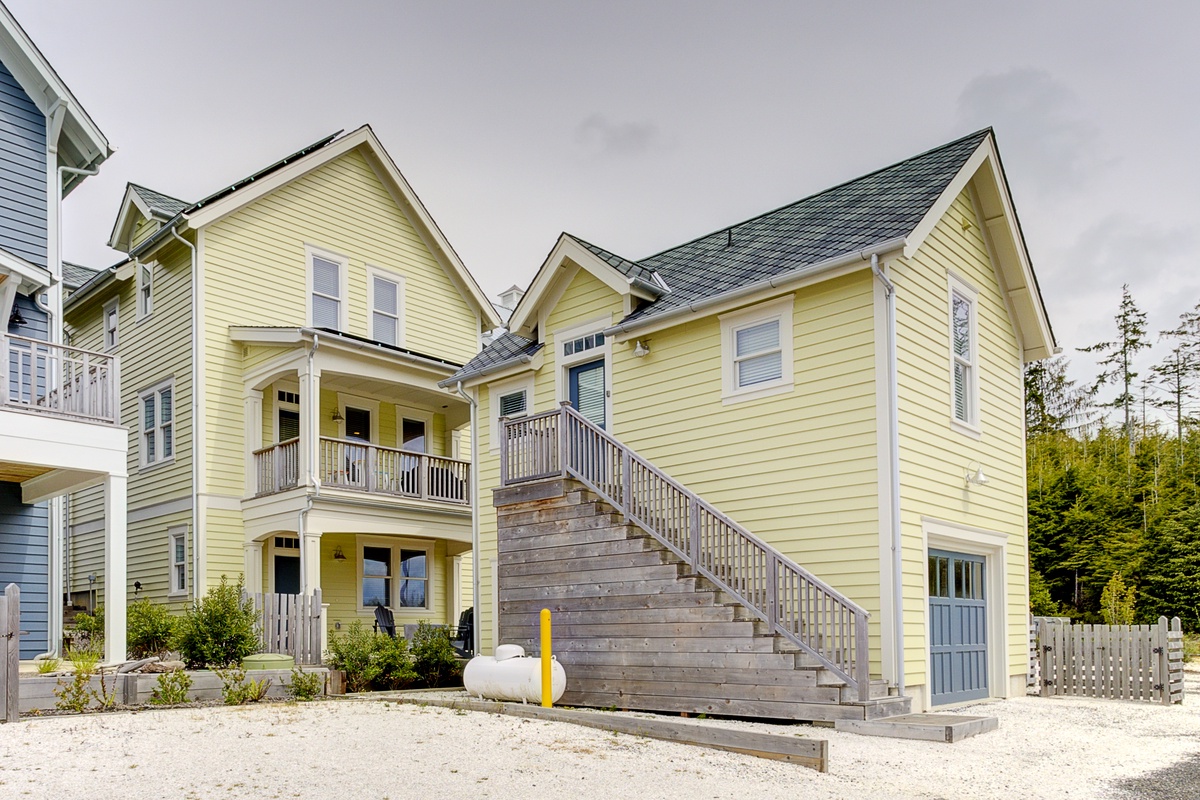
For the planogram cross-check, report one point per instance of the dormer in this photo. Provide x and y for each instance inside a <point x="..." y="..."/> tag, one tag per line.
<point x="143" y="211"/>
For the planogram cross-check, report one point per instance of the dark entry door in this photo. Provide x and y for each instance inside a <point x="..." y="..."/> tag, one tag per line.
<point x="957" y="627"/>
<point x="287" y="575"/>
<point x="586" y="384"/>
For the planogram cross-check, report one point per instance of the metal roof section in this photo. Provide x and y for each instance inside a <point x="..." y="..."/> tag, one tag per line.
<point x="505" y="351"/>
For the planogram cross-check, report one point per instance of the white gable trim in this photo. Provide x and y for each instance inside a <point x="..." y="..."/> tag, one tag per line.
<point x="394" y="181"/>
<point x="32" y="274"/>
<point x="122" y="230"/>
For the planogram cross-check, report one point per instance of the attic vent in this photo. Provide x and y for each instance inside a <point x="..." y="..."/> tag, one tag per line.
<point x="289" y="397"/>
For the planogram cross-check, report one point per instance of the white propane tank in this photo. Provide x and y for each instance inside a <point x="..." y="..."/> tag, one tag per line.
<point x="511" y="675"/>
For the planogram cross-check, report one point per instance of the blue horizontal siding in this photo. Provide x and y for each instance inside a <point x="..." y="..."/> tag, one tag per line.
<point x="37" y="323"/>
<point x="23" y="170"/>
<point x="24" y="560"/>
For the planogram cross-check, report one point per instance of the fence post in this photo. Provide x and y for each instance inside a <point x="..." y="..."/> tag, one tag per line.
<point x="10" y="629"/>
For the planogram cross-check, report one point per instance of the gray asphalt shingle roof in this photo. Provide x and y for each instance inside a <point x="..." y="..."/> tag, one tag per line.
<point x="76" y="275"/>
<point x="879" y="207"/>
<point x="160" y="204"/>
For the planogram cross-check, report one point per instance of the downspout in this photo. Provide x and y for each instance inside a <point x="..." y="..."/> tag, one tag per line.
<point x="474" y="516"/>
<point x="889" y="291"/>
<point x="196" y="465"/>
<point x="310" y="479"/>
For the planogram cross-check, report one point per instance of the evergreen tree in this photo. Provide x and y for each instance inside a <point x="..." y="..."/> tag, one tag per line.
<point x="1118" y="355"/>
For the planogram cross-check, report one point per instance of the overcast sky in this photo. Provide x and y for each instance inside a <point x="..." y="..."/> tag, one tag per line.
<point x="640" y="125"/>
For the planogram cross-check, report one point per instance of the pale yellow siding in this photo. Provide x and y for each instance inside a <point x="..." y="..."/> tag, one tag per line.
<point x="143" y="229"/>
<point x="151" y="350"/>
<point x="934" y="457"/>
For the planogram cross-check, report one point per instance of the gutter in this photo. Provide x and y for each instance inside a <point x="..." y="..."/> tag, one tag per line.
<point x="415" y="359"/>
<point x="893" y="456"/>
<point x="488" y="370"/>
<point x="474" y="517"/>
<point x="196" y="461"/>
<point x="775" y="282"/>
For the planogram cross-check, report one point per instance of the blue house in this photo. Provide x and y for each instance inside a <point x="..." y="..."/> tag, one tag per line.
<point x="59" y="420"/>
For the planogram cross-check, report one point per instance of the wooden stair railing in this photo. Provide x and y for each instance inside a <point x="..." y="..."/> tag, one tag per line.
<point x="796" y="604"/>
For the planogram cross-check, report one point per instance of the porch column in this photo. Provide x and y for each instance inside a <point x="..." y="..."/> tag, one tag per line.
<point x="310" y="560"/>
<point x="453" y="589"/>
<point x="252" y="553"/>
<point x="114" y="568"/>
<point x="252" y="408"/>
<point x="310" y="423"/>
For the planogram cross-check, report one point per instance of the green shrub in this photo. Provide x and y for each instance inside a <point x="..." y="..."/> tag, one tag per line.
<point x="90" y="626"/>
<point x="151" y="629"/>
<point x="371" y="660"/>
<point x="76" y="693"/>
<point x="305" y="685"/>
<point x="238" y="691"/>
<point x="220" y="630"/>
<point x="434" y="659"/>
<point x="172" y="689"/>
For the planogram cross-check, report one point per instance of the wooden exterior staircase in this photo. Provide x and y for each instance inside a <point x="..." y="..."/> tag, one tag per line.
<point x="660" y="602"/>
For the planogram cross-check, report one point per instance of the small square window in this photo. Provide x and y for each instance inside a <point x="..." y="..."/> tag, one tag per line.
<point x="756" y="353"/>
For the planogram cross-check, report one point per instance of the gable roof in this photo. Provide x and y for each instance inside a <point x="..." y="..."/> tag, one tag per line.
<point x="883" y="211"/>
<point x="245" y="191"/>
<point x="80" y="142"/>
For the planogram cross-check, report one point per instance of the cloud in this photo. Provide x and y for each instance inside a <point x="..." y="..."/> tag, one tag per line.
<point x="609" y="138"/>
<point x="1042" y="133"/>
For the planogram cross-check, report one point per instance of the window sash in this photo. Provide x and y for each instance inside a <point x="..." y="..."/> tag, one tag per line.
<point x="757" y="353"/>
<point x="376" y="586"/>
<point x="962" y="346"/>
<point x="385" y="310"/>
<point x="111" y="326"/>
<point x="513" y="404"/>
<point x="326" y="293"/>
<point x="145" y="290"/>
<point x="158" y="425"/>
<point x="414" y="580"/>
<point x="178" y="563"/>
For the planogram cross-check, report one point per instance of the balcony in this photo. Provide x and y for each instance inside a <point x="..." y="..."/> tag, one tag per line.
<point x="58" y="380"/>
<point x="361" y="467"/>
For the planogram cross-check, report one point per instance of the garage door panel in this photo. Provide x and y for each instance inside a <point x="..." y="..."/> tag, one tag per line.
<point x="957" y="627"/>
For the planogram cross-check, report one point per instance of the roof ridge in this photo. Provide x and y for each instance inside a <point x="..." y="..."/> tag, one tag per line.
<point x="827" y="190"/>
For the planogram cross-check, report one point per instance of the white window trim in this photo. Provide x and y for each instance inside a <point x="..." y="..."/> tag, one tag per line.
<point x="173" y="533"/>
<point x="145" y="274"/>
<point x="971" y="427"/>
<point x="343" y="284"/>
<point x="396" y="278"/>
<point x="562" y="384"/>
<point x="112" y="305"/>
<point x="781" y="310"/>
<point x="358" y="402"/>
<point x="280" y="405"/>
<point x="169" y="383"/>
<point x="511" y="386"/>
<point x="417" y="415"/>
<point x="397" y="545"/>
<point x="993" y="546"/>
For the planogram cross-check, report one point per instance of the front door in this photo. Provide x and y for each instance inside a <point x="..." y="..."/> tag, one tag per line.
<point x="957" y="627"/>
<point x="358" y="429"/>
<point x="586" y="386"/>
<point x="287" y="574"/>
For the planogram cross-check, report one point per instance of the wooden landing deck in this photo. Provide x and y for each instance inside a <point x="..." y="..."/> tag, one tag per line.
<point x="928" y="727"/>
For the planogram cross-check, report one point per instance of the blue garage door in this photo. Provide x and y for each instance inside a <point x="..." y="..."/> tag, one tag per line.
<point x="957" y="627"/>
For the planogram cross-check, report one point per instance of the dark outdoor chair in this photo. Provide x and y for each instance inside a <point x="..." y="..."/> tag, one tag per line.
<point x="384" y="621"/>
<point x="462" y="637"/>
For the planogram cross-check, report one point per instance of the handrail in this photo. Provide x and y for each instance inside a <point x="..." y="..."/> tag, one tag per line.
<point x="59" y="380"/>
<point x="797" y="605"/>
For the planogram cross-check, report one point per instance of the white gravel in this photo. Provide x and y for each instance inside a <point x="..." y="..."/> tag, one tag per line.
<point x="1059" y="748"/>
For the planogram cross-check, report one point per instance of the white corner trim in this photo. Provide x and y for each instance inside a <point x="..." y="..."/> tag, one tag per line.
<point x="887" y="589"/>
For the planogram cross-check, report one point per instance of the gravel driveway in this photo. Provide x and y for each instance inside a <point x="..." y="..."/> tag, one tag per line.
<point x="1056" y="748"/>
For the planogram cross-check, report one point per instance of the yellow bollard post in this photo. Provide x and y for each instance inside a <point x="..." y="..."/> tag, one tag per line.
<point x="547" y="688"/>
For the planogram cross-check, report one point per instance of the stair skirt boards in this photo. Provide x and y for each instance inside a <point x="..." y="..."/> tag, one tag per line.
<point x="635" y="630"/>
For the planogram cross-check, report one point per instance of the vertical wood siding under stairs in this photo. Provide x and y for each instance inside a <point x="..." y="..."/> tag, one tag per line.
<point x="636" y="628"/>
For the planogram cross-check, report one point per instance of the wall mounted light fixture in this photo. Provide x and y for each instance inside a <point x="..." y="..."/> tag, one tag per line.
<point x="337" y="415"/>
<point x="975" y="477"/>
<point x="641" y="350"/>
<point x="338" y="555"/>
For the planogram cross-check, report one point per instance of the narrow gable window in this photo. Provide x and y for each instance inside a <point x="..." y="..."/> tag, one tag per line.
<point x="756" y="346"/>
<point x="112" y="316"/>
<point x="145" y="290"/>
<point x="327" y="302"/>
<point x="964" y="357"/>
<point x="158" y="424"/>
<point x="387" y="302"/>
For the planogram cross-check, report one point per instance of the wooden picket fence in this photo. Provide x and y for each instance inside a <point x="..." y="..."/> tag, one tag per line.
<point x="10" y="653"/>
<point x="291" y="624"/>
<point x="1118" y="662"/>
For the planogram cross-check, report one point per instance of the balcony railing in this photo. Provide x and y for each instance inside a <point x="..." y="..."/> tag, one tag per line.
<point x="369" y="468"/>
<point x="58" y="380"/>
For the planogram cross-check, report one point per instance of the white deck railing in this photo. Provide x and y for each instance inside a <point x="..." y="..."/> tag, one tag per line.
<point x="58" y="380"/>
<point x="363" y="467"/>
<point x="796" y="604"/>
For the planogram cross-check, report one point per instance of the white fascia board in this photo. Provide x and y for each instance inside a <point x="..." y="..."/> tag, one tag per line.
<point x="332" y="342"/>
<point x="565" y="253"/>
<point x="39" y="80"/>
<point x="28" y="273"/>
<point x="363" y="137"/>
<point x="119" y="238"/>
<point x="940" y="206"/>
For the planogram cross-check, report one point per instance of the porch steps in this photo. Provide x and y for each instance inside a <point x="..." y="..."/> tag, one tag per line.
<point x="926" y="727"/>
<point x="636" y="629"/>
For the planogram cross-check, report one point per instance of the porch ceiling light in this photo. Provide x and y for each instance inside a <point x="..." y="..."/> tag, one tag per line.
<point x="975" y="477"/>
<point x="337" y="415"/>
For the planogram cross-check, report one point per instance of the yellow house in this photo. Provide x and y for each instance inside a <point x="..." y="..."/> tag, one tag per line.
<point x="281" y="343"/>
<point x="840" y="380"/>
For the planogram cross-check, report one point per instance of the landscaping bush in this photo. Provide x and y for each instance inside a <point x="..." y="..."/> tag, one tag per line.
<point x="89" y="628"/>
<point x="220" y="630"/>
<point x="77" y="694"/>
<point x="172" y="689"/>
<point x="238" y="691"/>
<point x="305" y="685"/>
<point x="151" y="629"/>
<point x="371" y="660"/>
<point x="434" y="659"/>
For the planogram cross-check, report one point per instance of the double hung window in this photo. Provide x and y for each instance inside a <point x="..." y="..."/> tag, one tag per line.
<point x="158" y="424"/>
